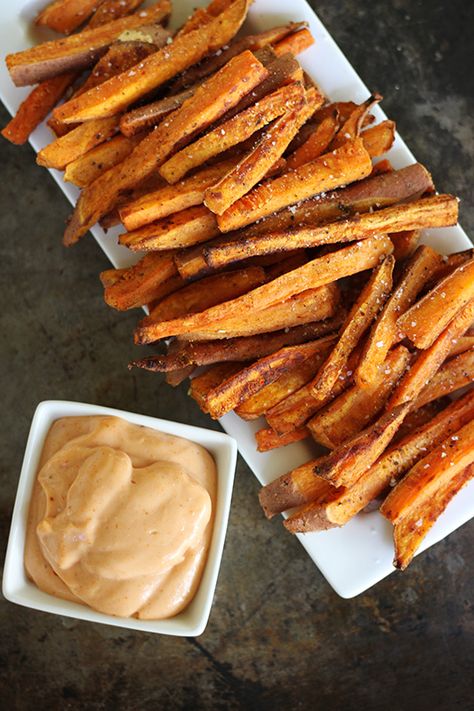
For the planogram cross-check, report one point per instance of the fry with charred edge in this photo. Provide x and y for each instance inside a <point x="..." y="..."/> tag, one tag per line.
<point x="295" y="42"/>
<point x="319" y="303"/>
<point x="437" y="211"/>
<point x="118" y="93"/>
<point x="293" y="489"/>
<point x="332" y="170"/>
<point x="361" y="315"/>
<point x="255" y="165"/>
<point x="404" y="243"/>
<point x="111" y="276"/>
<point x="290" y="381"/>
<point x="352" y="127"/>
<point x="424" y="322"/>
<point x="268" y="439"/>
<point x="379" y="139"/>
<point x="171" y="198"/>
<point x="89" y="166"/>
<point x="65" y="16"/>
<point x="316" y="144"/>
<point x="196" y="113"/>
<point x="139" y="284"/>
<point x="384" y="332"/>
<point x="202" y="384"/>
<point x="150" y="115"/>
<point x="230" y="133"/>
<point x="177" y="231"/>
<point x="450" y="263"/>
<point x="349" y="461"/>
<point x="317" y="272"/>
<point x="76" y="143"/>
<point x="428" y="361"/>
<point x="416" y="502"/>
<point x="248" y="381"/>
<point x="455" y="373"/>
<point x="77" y="51"/>
<point x="356" y="407"/>
<point x="340" y="505"/>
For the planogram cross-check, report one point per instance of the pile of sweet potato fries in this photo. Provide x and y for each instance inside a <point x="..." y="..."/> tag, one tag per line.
<point x="279" y="253"/>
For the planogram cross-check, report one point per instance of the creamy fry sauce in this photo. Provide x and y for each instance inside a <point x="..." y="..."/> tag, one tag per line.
<point x="121" y="517"/>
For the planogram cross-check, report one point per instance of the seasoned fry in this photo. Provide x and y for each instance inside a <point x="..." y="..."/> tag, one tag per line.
<point x="361" y="315"/>
<point x="248" y="381"/>
<point x="89" y="166"/>
<point x="356" y="407"/>
<point x="316" y="144"/>
<point x="77" y="51"/>
<point x="295" y="42"/>
<point x="177" y="231"/>
<point x="450" y="263"/>
<point x="424" y="322"/>
<point x="65" y="16"/>
<point x="353" y="125"/>
<point x="405" y="243"/>
<point x="416" y="502"/>
<point x="385" y="332"/>
<point x="141" y="283"/>
<point x="379" y="139"/>
<point x="150" y="115"/>
<point x="428" y="361"/>
<point x="202" y="384"/>
<point x="293" y="489"/>
<point x="109" y="10"/>
<point x="267" y="439"/>
<point x="340" y="505"/>
<point x="350" y="162"/>
<point x="76" y="143"/>
<point x="118" y="93"/>
<point x="317" y="272"/>
<point x="111" y="276"/>
<point x="230" y="133"/>
<point x="256" y="164"/>
<point x="455" y="373"/>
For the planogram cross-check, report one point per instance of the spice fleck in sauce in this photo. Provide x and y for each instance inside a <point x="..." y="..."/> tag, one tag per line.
<point x="121" y="517"/>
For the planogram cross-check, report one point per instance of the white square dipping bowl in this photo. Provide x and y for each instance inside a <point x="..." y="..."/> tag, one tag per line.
<point x="17" y="588"/>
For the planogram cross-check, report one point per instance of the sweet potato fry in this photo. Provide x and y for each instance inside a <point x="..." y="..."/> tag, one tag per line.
<point x="111" y="276"/>
<point x="295" y="42"/>
<point x="338" y="506"/>
<point x="150" y="115"/>
<point x="202" y="384"/>
<point x="77" y="142"/>
<point x="455" y="373"/>
<point x="317" y="272"/>
<point x="177" y="231"/>
<point x="356" y="407"/>
<point x="293" y="489"/>
<point x="463" y="344"/>
<point x="65" y="16"/>
<point x="383" y="166"/>
<point x="141" y="283"/>
<point x="384" y="332"/>
<point x="379" y="139"/>
<point x="268" y="439"/>
<point x="77" y="51"/>
<point x="424" y="322"/>
<point x="350" y="460"/>
<point x="316" y="144"/>
<point x="290" y="381"/>
<point x="404" y="243"/>
<point x="89" y="166"/>
<point x="429" y="360"/>
<point x="450" y="263"/>
<point x="416" y="502"/>
<point x="118" y="93"/>
<point x="248" y="381"/>
<point x="361" y="315"/>
<point x="109" y="10"/>
<point x="230" y="133"/>
<point x="353" y="125"/>
<point x="256" y="164"/>
<point x="350" y="162"/>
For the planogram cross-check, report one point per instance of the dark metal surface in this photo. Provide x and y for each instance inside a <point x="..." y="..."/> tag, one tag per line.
<point x="278" y="636"/>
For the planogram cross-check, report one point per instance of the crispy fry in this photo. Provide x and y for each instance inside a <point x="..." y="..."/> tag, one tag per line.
<point x="177" y="231"/>
<point x="77" y="51"/>
<point x="171" y="198"/>
<point x="256" y="164"/>
<point x="109" y="10"/>
<point x="428" y="361"/>
<point x="356" y="407"/>
<point x="383" y="166"/>
<point x="350" y="162"/>
<point x="454" y="374"/>
<point x="317" y="272"/>
<point x="361" y="315"/>
<point x="405" y="243"/>
<point x="65" y="16"/>
<point x="248" y="381"/>
<point x="424" y="322"/>
<point x="202" y="384"/>
<point x="379" y="139"/>
<point x="111" y="276"/>
<point x="384" y="332"/>
<point x="423" y="494"/>
<point x="89" y="166"/>
<point x="449" y="264"/>
<point x="141" y="283"/>
<point x="176" y="377"/>
<point x="353" y="125"/>
<point x="230" y="133"/>
<point x="150" y="115"/>
<point x="295" y="42"/>
<point x="77" y="142"/>
<point x="118" y="93"/>
<point x="316" y="144"/>
<point x="294" y="489"/>
<point x="267" y="439"/>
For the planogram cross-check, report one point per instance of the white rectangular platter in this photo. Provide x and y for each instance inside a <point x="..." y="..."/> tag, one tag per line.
<point x="355" y="557"/>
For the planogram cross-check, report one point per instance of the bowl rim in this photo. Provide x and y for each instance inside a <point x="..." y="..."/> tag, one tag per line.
<point x="17" y="588"/>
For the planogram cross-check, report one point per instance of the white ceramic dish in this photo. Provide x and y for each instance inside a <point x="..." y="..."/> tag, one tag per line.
<point x="357" y="556"/>
<point x="19" y="589"/>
